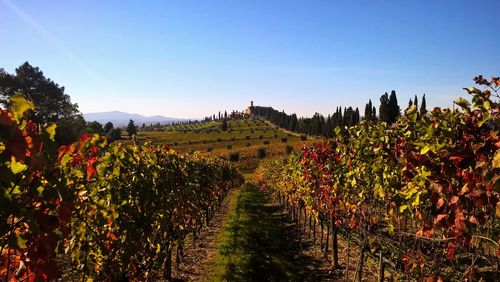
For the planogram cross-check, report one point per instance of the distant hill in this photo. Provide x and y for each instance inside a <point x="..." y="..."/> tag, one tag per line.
<point x="121" y="118"/>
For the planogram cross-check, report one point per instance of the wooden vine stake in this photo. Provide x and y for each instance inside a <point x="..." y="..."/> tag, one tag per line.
<point x="359" y="269"/>
<point x="348" y="256"/>
<point x="381" y="267"/>
<point x="167" y="271"/>
<point x="335" y="245"/>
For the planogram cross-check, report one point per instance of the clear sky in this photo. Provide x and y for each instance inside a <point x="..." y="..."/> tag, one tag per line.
<point x="190" y="59"/>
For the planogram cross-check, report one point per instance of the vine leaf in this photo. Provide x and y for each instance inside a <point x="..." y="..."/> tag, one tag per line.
<point x="496" y="159"/>
<point x="17" y="167"/>
<point x="463" y="103"/>
<point x="19" y="106"/>
<point x="51" y="130"/>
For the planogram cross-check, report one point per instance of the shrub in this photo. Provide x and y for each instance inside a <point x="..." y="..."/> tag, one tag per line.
<point x="266" y="142"/>
<point x="261" y="153"/>
<point x="234" y="156"/>
<point x="288" y="149"/>
<point x="210" y="149"/>
<point x="284" y="139"/>
<point x="229" y="146"/>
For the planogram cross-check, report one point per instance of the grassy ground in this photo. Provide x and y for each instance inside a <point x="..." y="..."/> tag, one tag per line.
<point x="257" y="243"/>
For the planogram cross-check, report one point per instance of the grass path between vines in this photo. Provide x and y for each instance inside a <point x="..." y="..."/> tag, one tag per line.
<point x="258" y="243"/>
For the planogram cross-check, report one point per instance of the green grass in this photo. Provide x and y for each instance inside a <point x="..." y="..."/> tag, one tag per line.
<point x="255" y="243"/>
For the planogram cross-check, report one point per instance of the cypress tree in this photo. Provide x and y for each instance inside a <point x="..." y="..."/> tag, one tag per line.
<point x="224" y="125"/>
<point x="368" y="110"/>
<point x="131" y="129"/>
<point x="394" y="110"/>
<point x="384" y="112"/>
<point x="423" y="109"/>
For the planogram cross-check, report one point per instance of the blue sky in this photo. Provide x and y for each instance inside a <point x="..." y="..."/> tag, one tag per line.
<point x="193" y="58"/>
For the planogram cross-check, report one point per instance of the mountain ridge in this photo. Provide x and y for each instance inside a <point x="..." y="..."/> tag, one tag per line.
<point x="122" y="118"/>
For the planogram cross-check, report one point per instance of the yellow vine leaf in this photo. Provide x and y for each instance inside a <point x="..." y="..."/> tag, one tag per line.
<point x="496" y="159"/>
<point x="51" y="130"/>
<point x="19" y="106"/>
<point x="16" y="166"/>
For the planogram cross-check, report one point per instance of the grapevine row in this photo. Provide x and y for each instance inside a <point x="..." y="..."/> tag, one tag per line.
<point x="423" y="191"/>
<point x="98" y="210"/>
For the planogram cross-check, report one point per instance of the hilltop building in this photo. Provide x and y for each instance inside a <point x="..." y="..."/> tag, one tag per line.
<point x="249" y="110"/>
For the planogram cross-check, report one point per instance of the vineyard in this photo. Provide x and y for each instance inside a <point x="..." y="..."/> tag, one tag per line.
<point x="97" y="211"/>
<point x="245" y="136"/>
<point x="421" y="195"/>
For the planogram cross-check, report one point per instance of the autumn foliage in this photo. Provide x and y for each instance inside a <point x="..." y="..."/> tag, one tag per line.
<point x="103" y="211"/>
<point x="424" y="191"/>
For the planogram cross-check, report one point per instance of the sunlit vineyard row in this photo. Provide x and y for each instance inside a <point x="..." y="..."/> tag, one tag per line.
<point x="94" y="210"/>
<point x="423" y="192"/>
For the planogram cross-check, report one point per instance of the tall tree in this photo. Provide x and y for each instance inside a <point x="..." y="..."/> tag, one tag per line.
<point x="223" y="126"/>
<point x="52" y="104"/>
<point x="394" y="110"/>
<point x="423" y="109"/>
<point x="131" y="129"/>
<point x="384" y="109"/>
<point x="368" y="110"/>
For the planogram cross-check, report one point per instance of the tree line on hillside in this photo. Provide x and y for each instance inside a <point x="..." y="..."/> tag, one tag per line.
<point x="320" y="125"/>
<point x="54" y="105"/>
